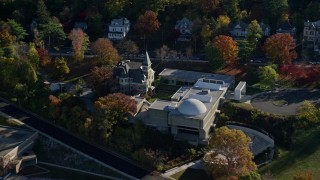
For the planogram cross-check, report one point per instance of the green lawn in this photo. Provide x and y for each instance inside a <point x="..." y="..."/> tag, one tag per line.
<point x="304" y="156"/>
<point x="191" y="174"/>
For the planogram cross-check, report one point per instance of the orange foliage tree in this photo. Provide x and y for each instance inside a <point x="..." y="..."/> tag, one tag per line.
<point x="147" y="23"/>
<point x="106" y="53"/>
<point x="229" y="155"/>
<point x="207" y="6"/>
<point x="111" y="110"/>
<point x="227" y="48"/>
<point x="80" y="43"/>
<point x="280" y="48"/>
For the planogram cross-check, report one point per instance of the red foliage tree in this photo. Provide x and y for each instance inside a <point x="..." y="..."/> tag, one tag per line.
<point x="227" y="48"/>
<point x="280" y="48"/>
<point x="80" y="43"/>
<point x="105" y="51"/>
<point x="147" y="23"/>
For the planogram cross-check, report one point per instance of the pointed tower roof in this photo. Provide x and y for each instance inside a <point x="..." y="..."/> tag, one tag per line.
<point x="146" y="60"/>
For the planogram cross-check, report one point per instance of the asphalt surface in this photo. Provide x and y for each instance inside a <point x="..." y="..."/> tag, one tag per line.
<point x="76" y="143"/>
<point x="293" y="97"/>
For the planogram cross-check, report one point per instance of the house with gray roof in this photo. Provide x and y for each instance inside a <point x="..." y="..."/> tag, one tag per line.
<point x="118" y="28"/>
<point x="81" y="25"/>
<point x="134" y="77"/>
<point x="265" y="29"/>
<point x="287" y="27"/>
<point x="184" y="26"/>
<point x="311" y="35"/>
<point x="238" y="30"/>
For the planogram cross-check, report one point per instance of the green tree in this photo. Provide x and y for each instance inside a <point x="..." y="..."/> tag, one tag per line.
<point x="115" y="7"/>
<point x="206" y="33"/>
<point x="312" y="11"/>
<point x="42" y="12"/>
<point x="232" y="9"/>
<point x="17" y="30"/>
<point x="33" y="56"/>
<point x="214" y="56"/>
<point x="229" y="155"/>
<point x="52" y="34"/>
<point x="245" y="51"/>
<point x="254" y="33"/>
<point x="268" y="77"/>
<point x="275" y="10"/>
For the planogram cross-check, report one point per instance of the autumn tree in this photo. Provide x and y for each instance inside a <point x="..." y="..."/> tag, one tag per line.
<point x="130" y="47"/>
<point x="228" y="49"/>
<point x="61" y="67"/>
<point x="254" y="33"/>
<point x="308" y="113"/>
<point x="166" y="53"/>
<point x="33" y="56"/>
<point x="268" y="77"/>
<point x="208" y="6"/>
<point x="80" y="43"/>
<point x="303" y="176"/>
<point x="102" y="80"/>
<point x="147" y="23"/>
<point x="229" y="155"/>
<point x="280" y="48"/>
<point x="111" y="110"/>
<point x="106" y="53"/>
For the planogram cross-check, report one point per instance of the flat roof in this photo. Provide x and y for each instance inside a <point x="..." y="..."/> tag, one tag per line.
<point x="160" y="104"/>
<point x="193" y="76"/>
<point x="240" y="85"/>
<point x="11" y="137"/>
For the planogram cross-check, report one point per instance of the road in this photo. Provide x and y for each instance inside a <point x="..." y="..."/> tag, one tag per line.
<point x="76" y="143"/>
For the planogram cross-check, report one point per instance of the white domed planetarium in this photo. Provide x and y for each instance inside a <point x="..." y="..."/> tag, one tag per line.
<point x="191" y="112"/>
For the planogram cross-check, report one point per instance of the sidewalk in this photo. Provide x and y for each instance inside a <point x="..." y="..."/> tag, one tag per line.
<point x="195" y="164"/>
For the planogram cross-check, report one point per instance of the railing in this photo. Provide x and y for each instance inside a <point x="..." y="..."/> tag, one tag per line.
<point x="249" y="126"/>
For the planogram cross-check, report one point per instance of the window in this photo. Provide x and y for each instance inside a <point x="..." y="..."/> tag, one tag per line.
<point x="311" y="32"/>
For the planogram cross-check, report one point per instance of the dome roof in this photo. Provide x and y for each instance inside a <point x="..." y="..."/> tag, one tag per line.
<point x="192" y="107"/>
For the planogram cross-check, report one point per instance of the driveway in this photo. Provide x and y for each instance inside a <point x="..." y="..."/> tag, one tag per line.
<point x="293" y="97"/>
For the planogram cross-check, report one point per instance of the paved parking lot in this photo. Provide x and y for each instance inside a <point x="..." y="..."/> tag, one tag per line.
<point x="293" y="97"/>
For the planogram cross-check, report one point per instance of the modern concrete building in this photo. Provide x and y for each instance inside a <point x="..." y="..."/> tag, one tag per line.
<point x="189" y="78"/>
<point x="191" y="112"/>
<point x="240" y="90"/>
<point x="119" y="28"/>
<point x="15" y="149"/>
<point x="134" y="77"/>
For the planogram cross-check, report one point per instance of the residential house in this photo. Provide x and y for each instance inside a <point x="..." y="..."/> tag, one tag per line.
<point x="265" y="29"/>
<point x="134" y="77"/>
<point x="311" y="35"/>
<point x="184" y="26"/>
<point x="238" y="30"/>
<point x="15" y="150"/>
<point x="287" y="27"/>
<point x="119" y="28"/>
<point x="81" y="25"/>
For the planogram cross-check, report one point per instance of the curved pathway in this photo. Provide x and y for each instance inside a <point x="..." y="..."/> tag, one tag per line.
<point x="293" y="97"/>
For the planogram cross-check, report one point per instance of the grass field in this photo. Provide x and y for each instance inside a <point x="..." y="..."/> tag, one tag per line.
<point x="304" y="156"/>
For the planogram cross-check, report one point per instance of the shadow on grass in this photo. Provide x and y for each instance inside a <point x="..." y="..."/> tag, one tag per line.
<point x="306" y="143"/>
<point x="191" y="174"/>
